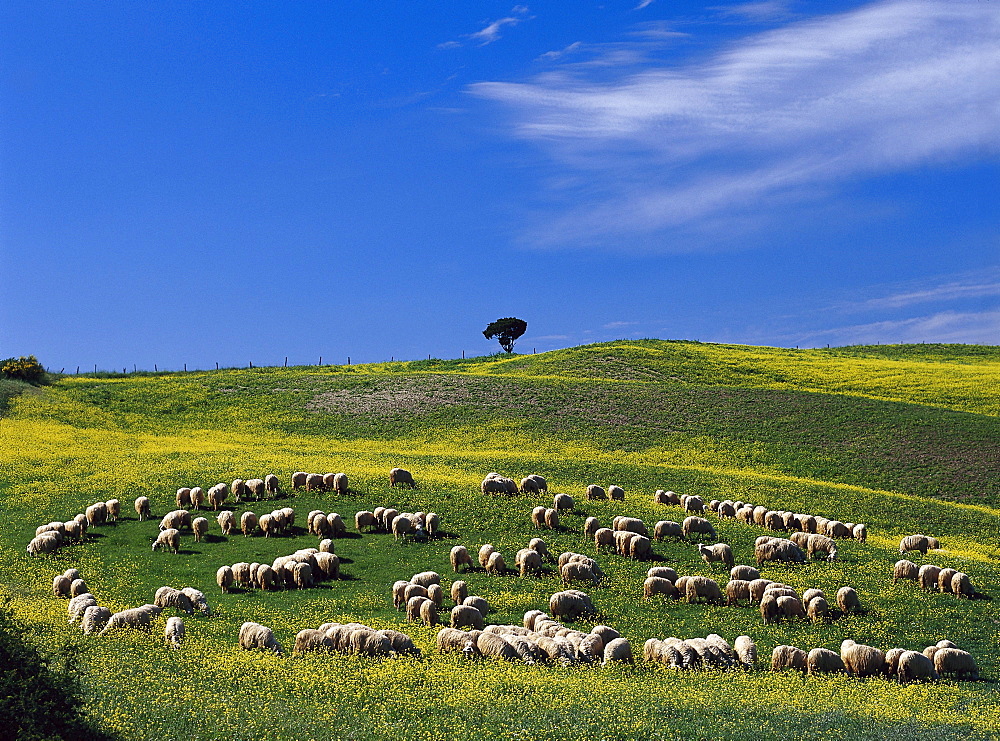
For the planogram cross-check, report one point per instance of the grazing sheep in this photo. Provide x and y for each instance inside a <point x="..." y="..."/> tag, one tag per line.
<point x="596" y="492"/>
<point x="778" y="549"/>
<point x="720" y="552"/>
<point x="460" y="557"/>
<point x="694" y="504"/>
<point x="78" y="605"/>
<point x="459" y="591"/>
<point x="605" y="537"/>
<point x="452" y="639"/>
<point x="747" y="573"/>
<point x="256" y="636"/>
<point x="199" y="526"/>
<point x="632" y="524"/>
<point x="238" y="488"/>
<point x="61" y="586"/>
<point x="663" y="572"/>
<point x="927" y="576"/>
<point x="426" y="578"/>
<point x="248" y="523"/>
<point x="860" y="532"/>
<point x="77" y="587"/>
<point x="302" y="573"/>
<point x="224" y="578"/>
<point x="175" y="520"/>
<point x="861" y="660"/>
<point x="820" y="545"/>
<point x="529" y="486"/>
<point x="94" y="619"/>
<point x="173" y="633"/>
<point x="769" y="610"/>
<point x="571" y="604"/>
<point x="824" y="661"/>
<point x="619" y="650"/>
<point x="341" y="484"/>
<point x="817" y="609"/>
<point x="538" y="517"/>
<point x="299" y="480"/>
<point x="944" y="579"/>
<point x="466" y="616"/>
<point x="328" y="565"/>
<point x="528" y="561"/>
<point x="402" y="477"/>
<point x="913" y="666"/>
<point x="790" y="607"/>
<point x="183" y="498"/>
<point x="226" y="521"/>
<point x="737" y="590"/>
<point x="788" y="657"/>
<point x="905" y="570"/>
<point x="953" y="662"/>
<point x="563" y="501"/>
<point x="848" y="601"/>
<point x="578" y="571"/>
<point x="961" y="585"/>
<point x="136" y="618"/>
<point x="326" y="546"/>
<point x="413" y="607"/>
<point x="657" y="585"/>
<point x="667" y="529"/>
<point x="217" y="495"/>
<point x="401" y="527"/>
<point x="399" y="593"/>
<point x="479" y="603"/>
<point x="365" y="519"/>
<point x="168" y="539"/>
<point x="485" y="551"/>
<point x="496" y="566"/>
<point x="616" y="493"/>
<point x="702" y="588"/>
<point x="310" y="640"/>
<point x="174" y="598"/>
<point x="539" y="546"/>
<point x="494" y="483"/>
<point x="142" y="508"/>
<point x="696" y="527"/>
<point x="746" y="651"/>
<point x="918" y="542"/>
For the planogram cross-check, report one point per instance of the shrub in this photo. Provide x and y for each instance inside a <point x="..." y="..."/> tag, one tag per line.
<point x="23" y="369"/>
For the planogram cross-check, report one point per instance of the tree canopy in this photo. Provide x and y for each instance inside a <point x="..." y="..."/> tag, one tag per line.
<point x="506" y="331"/>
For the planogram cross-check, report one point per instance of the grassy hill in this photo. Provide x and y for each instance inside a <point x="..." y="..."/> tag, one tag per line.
<point x="904" y="438"/>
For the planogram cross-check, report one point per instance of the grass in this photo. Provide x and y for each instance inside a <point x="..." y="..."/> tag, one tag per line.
<point x="825" y="432"/>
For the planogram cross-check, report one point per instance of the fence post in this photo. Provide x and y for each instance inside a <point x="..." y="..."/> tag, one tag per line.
<point x="185" y="367"/>
<point x="77" y="370"/>
<point x="155" y="369"/>
<point x="286" y="361"/>
<point x="348" y="359"/>
<point x="216" y="366"/>
<point x="321" y="360"/>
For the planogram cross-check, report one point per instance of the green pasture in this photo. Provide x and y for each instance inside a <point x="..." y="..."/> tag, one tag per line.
<point x="905" y="439"/>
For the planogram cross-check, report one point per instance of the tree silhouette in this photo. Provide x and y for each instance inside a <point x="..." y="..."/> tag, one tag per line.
<point x="506" y="331"/>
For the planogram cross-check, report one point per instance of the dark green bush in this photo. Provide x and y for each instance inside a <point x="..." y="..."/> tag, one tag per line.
<point x="23" y="369"/>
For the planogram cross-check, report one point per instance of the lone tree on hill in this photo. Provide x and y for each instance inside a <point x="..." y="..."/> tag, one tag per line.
<point x="506" y="331"/>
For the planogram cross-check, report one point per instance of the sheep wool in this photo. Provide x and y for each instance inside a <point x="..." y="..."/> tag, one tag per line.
<point x="94" y="619"/>
<point x="173" y="632"/>
<point x="256" y="636"/>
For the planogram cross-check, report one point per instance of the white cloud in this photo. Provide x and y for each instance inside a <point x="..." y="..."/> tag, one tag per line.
<point x="980" y="328"/>
<point x="618" y="325"/>
<point x="643" y="4"/>
<point x="575" y="46"/>
<point x="769" y="10"/>
<point x="792" y="112"/>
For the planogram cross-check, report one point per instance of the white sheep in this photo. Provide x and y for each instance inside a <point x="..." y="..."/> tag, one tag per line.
<point x="256" y="636"/>
<point x="175" y="598"/>
<point x="198" y="600"/>
<point x="718" y="553"/>
<point x="136" y="618"/>
<point x="78" y="605"/>
<point x="402" y="477"/>
<point x="224" y="578"/>
<point x="173" y="633"/>
<point x="199" y="526"/>
<point x="168" y="539"/>
<point x="94" y="619"/>
<point x="142" y="508"/>
<point x="227" y="521"/>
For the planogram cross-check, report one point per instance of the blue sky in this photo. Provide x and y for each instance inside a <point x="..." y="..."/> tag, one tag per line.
<point x="230" y="182"/>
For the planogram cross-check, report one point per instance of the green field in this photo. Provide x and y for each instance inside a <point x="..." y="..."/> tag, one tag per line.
<point x="903" y="438"/>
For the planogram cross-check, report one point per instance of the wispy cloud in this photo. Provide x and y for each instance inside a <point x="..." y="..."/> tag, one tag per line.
<point x="492" y="30"/>
<point x="789" y="113"/>
<point x="947" y="292"/>
<point x="758" y="12"/>
<point x="947" y="326"/>
<point x="618" y="325"/>
<point x="643" y="4"/>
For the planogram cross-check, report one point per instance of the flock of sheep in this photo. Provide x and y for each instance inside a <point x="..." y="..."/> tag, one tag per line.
<point x="95" y="619"/>
<point x="540" y="639"/>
